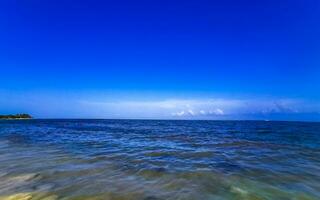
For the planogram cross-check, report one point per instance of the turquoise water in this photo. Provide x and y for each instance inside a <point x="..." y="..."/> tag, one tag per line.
<point x="157" y="160"/>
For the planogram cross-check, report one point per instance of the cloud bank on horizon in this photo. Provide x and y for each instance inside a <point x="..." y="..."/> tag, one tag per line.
<point x="56" y="106"/>
<point x="209" y="109"/>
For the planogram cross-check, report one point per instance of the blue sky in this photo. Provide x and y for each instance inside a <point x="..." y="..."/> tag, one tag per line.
<point x="161" y="59"/>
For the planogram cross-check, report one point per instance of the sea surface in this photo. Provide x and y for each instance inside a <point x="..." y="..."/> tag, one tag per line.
<point x="159" y="160"/>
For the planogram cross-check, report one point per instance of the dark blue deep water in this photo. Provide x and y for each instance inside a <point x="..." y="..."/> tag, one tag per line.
<point x="157" y="160"/>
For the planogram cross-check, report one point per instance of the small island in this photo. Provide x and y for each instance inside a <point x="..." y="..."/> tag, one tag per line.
<point x="16" y="116"/>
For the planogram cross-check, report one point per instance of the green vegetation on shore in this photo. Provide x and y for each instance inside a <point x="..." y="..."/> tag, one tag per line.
<point x="16" y="116"/>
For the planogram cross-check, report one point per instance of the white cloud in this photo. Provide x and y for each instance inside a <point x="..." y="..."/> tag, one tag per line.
<point x="202" y="112"/>
<point x="191" y="112"/>
<point x="195" y="113"/>
<point x="179" y="114"/>
<point x="217" y="111"/>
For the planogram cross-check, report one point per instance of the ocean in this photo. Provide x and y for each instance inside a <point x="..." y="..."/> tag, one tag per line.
<point x="159" y="160"/>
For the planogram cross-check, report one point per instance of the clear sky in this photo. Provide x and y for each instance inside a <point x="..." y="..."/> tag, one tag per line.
<point x="161" y="59"/>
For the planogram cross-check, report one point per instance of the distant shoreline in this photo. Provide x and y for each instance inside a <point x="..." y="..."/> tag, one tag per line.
<point x="15" y="117"/>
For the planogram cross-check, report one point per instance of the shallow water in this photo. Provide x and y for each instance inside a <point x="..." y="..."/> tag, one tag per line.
<point x="157" y="160"/>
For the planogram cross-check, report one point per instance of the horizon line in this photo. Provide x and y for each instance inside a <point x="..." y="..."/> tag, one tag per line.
<point x="163" y="119"/>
